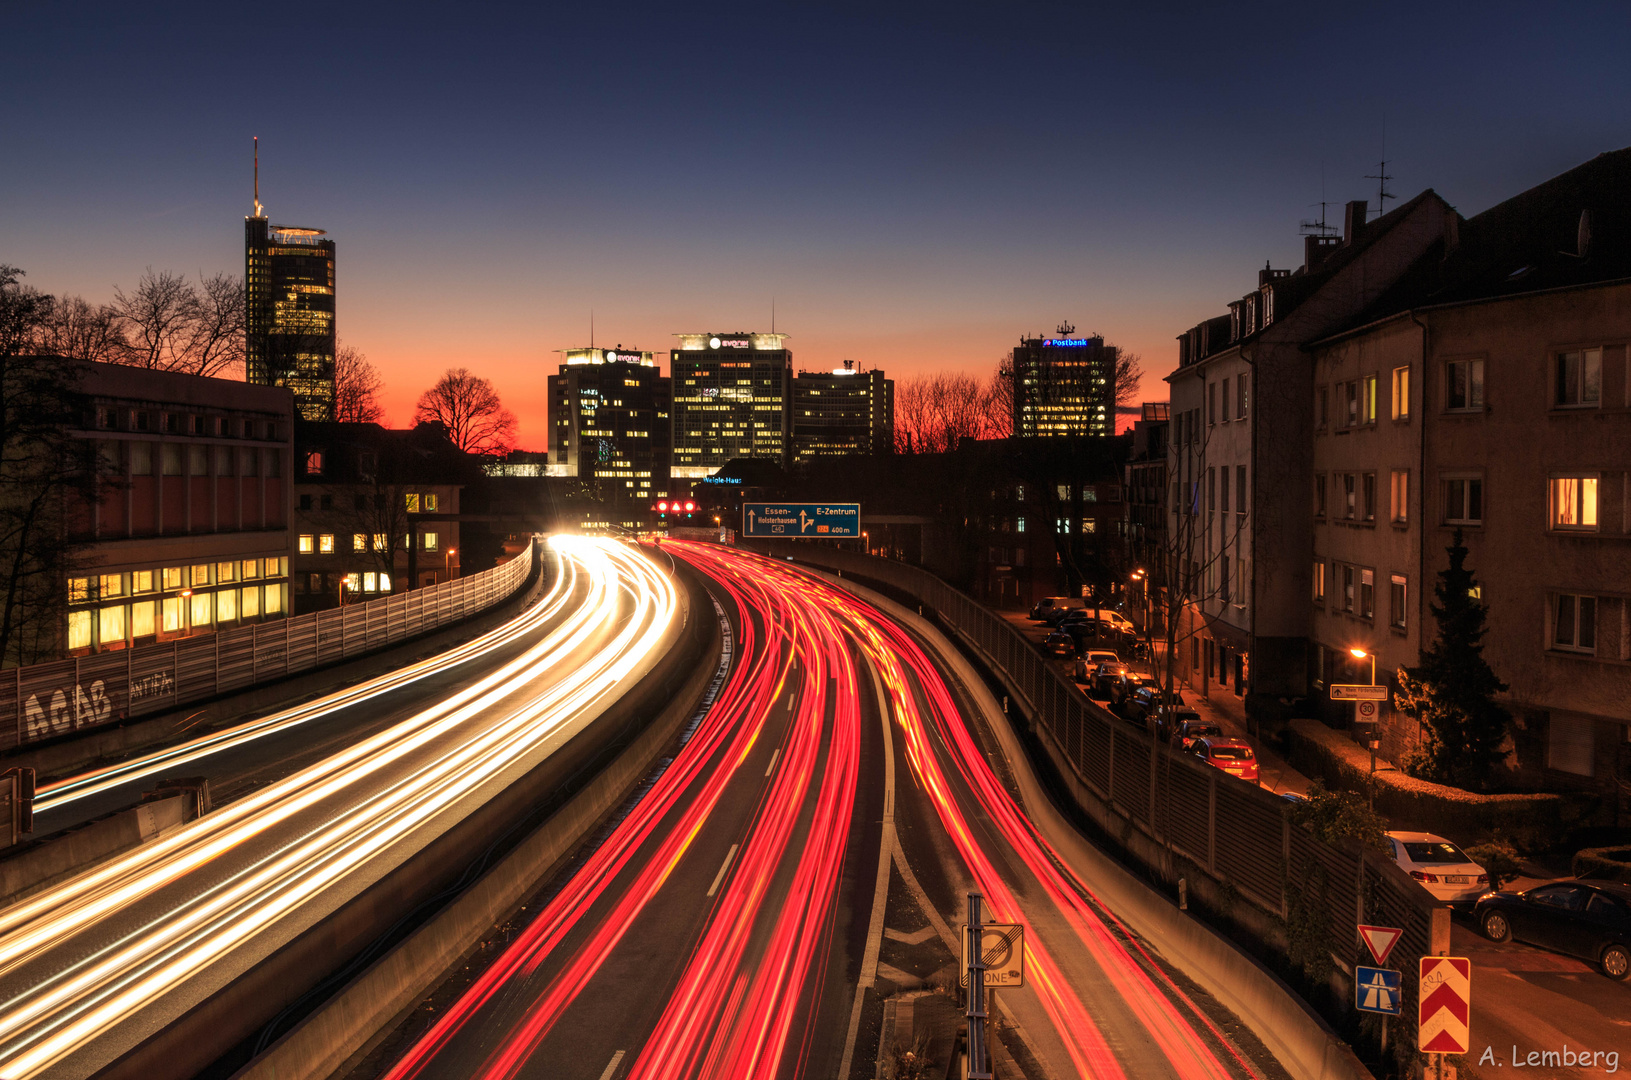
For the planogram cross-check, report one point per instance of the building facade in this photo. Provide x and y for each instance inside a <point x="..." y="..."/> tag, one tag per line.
<point x="1146" y="506"/>
<point x="289" y="312"/>
<point x="1064" y="385"/>
<point x="376" y="511"/>
<point x="609" y="423"/>
<point x="844" y="411"/>
<point x="733" y="398"/>
<point x="191" y="531"/>
<point x="1239" y="532"/>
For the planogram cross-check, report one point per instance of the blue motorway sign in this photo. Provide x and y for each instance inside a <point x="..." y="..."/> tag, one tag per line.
<point x="809" y="520"/>
<point x="1376" y="990"/>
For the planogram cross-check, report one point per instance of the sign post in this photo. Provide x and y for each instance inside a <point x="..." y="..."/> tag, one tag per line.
<point x="810" y="521"/>
<point x="1377" y="989"/>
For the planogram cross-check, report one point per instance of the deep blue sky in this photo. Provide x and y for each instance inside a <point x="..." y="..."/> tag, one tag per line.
<point x="913" y="185"/>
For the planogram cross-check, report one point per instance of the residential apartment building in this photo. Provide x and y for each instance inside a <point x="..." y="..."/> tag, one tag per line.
<point x="733" y="398"/>
<point x="190" y="532"/>
<point x="842" y="412"/>
<point x="1240" y="524"/>
<point x="1489" y="394"/>
<point x="1145" y="528"/>
<point x="609" y="423"/>
<point x="376" y="511"/>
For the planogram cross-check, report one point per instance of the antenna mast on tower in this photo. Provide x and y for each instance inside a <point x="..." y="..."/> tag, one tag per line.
<point x="1382" y="176"/>
<point x="260" y="211"/>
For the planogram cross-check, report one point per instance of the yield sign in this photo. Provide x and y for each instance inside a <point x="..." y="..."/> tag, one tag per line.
<point x="1445" y="994"/>
<point x="1379" y="940"/>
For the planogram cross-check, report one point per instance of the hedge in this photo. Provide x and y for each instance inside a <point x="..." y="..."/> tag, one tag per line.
<point x="1604" y="863"/>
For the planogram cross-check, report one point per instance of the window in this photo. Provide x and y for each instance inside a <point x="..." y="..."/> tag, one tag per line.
<point x="379" y="542"/>
<point x="431" y="541"/>
<point x="1399" y="496"/>
<point x="359" y="541"/>
<point x="1319" y="581"/>
<point x="79" y="629"/>
<point x="141" y="459"/>
<point x="1240" y="489"/>
<point x="1223" y="580"/>
<point x="370" y="581"/>
<point x="1367" y="400"/>
<point x="203" y="609"/>
<point x="1241" y="396"/>
<point x="367" y="464"/>
<point x="141" y="581"/>
<point x="1350" y="496"/>
<point x="1464" y="501"/>
<point x="198" y="460"/>
<point x="249" y="604"/>
<point x="141" y="619"/>
<point x="1322" y="411"/>
<point x="1579" y="378"/>
<point x="226" y="605"/>
<point x="1090" y="525"/>
<point x="1464" y="385"/>
<point x="1211" y="404"/>
<point x="1367" y="594"/>
<point x="1019" y="494"/>
<point x="1350" y="581"/>
<point x="170" y="459"/>
<point x="353" y="582"/>
<point x="1400" y="400"/>
<point x="1211" y="490"/>
<point x="412" y="501"/>
<point x="1019" y="525"/>
<point x="1223" y="488"/>
<point x="305" y="547"/>
<point x="1350" y="399"/>
<point x="274" y="600"/>
<point x="1397" y="594"/>
<point x="1062" y="491"/>
<point x="1574" y="502"/>
<point x="1574" y="623"/>
<point x="170" y="614"/>
<point x="111" y="585"/>
<point x="1368" y="486"/>
<point x="325" y="543"/>
<point x="1090" y="493"/>
<point x="172" y="577"/>
<point x="201" y="574"/>
<point x="251" y="569"/>
<point x="314" y="463"/>
<point x="1319" y="495"/>
<point x="1225" y="416"/>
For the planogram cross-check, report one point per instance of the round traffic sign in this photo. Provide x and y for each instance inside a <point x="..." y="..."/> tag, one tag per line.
<point x="1367" y="709"/>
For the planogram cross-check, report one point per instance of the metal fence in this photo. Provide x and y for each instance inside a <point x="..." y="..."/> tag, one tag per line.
<point x="46" y="700"/>
<point x="1235" y="833"/>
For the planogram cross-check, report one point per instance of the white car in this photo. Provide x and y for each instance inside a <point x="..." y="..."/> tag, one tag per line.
<point x="1083" y="669"/>
<point x="1439" y="867"/>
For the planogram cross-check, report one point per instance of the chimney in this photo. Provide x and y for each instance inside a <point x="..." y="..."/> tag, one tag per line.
<point x="1353" y="221"/>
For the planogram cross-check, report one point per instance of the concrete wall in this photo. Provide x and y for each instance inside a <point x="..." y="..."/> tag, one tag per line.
<point x="39" y="864"/>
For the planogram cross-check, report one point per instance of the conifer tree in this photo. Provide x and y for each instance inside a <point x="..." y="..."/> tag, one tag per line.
<point x="1453" y="690"/>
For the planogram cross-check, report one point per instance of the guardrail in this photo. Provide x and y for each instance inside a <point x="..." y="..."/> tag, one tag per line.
<point x="42" y="701"/>
<point x="1176" y="815"/>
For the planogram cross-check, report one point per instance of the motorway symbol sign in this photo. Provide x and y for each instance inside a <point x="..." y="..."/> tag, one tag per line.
<point x="1357" y="692"/>
<point x="1376" y="990"/>
<point x="1380" y="940"/>
<point x="1444" y="998"/>
<point x="1002" y="947"/>
<point x="809" y="520"/>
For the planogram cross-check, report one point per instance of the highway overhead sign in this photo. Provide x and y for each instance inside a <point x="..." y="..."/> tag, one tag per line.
<point x="1380" y="940"/>
<point x="1376" y="990"/>
<point x="809" y="520"/>
<point x="1002" y="947"/>
<point x="1444" y="998"/>
<point x="1358" y="692"/>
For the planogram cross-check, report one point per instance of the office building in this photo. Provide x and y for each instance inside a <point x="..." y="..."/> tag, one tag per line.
<point x="844" y="411"/>
<point x="609" y="423"/>
<point x="289" y="311"/>
<point x="1064" y="385"/>
<point x="733" y="398"/>
<point x="193" y="533"/>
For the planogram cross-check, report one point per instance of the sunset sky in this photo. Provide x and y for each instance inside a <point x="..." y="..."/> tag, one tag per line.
<point x="912" y="186"/>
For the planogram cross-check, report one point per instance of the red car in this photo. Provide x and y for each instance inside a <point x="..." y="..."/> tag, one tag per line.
<point x="1233" y="756"/>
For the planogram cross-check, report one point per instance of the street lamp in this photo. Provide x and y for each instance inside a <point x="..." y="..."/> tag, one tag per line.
<point x="1360" y="654"/>
<point x="1370" y="736"/>
<point x="447" y="564"/>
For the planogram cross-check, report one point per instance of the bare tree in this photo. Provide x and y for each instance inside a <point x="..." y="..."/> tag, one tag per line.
<point x="356" y="387"/>
<point x="216" y="347"/>
<point x="1127" y="378"/>
<point x="169" y="324"/>
<point x="470" y="411"/>
<point x="68" y="326"/>
<point x="934" y="413"/>
<point x="999" y="400"/>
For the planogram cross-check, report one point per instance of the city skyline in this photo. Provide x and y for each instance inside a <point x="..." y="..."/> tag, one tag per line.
<point x="892" y="193"/>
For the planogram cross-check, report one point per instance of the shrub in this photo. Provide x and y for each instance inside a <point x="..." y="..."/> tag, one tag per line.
<point x="1341" y="819"/>
<point x="1499" y="859"/>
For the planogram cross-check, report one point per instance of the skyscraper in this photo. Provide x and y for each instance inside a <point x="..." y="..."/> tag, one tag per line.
<point x="289" y="309"/>
<point x="733" y="398"/>
<point x="609" y="422"/>
<point x="1064" y="385"/>
<point x="843" y="411"/>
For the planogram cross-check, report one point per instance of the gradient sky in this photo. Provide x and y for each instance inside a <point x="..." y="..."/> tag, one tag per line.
<point x="912" y="185"/>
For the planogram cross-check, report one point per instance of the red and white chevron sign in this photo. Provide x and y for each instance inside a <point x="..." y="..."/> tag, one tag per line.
<point x="1445" y="997"/>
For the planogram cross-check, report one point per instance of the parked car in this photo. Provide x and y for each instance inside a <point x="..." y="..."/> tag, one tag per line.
<point x="1591" y="920"/>
<point x="1193" y="727"/>
<point x="1104" y="677"/>
<point x="1167" y="721"/>
<point x="1082" y="671"/>
<point x="1108" y="624"/>
<point x="1439" y="867"/>
<point x="1060" y="642"/>
<point x="1122" y="690"/>
<point x="1146" y="703"/>
<point x="1233" y="756"/>
<point x="1050" y="609"/>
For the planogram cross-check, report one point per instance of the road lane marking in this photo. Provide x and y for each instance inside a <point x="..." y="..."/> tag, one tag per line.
<point x="773" y="757"/>
<point x="612" y="1066"/>
<point x="724" y="867"/>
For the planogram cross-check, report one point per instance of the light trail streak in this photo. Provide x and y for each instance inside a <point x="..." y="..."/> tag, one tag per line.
<point x="377" y="795"/>
<point x="71" y="789"/>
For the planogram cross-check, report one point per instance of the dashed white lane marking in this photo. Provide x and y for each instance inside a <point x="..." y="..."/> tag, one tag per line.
<point x="726" y="865"/>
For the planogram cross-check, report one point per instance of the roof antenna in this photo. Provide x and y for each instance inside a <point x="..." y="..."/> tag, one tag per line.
<point x="259" y="210"/>
<point x="1382" y="176"/>
<point x="772" y="314"/>
<point x="1319" y="228"/>
<point x="591" y="328"/>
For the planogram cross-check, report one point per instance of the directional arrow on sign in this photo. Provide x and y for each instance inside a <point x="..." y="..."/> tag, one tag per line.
<point x="1380" y="940"/>
<point x="751" y="516"/>
<point x="804" y="521"/>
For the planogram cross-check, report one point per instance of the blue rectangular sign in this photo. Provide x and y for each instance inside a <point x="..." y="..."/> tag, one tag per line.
<point x="812" y="521"/>
<point x="1376" y="990"/>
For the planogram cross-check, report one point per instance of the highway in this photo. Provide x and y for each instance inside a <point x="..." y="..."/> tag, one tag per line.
<point x="834" y="799"/>
<point x="92" y="966"/>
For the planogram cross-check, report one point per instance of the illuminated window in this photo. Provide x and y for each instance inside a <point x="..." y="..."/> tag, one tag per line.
<point x="1367" y="400"/>
<point x="314" y="463"/>
<point x="430" y="541"/>
<point x="430" y="502"/>
<point x="203" y="609"/>
<point x="141" y="581"/>
<point x="353" y="582"/>
<point x="379" y="542"/>
<point x="1090" y="525"/>
<point x="171" y="612"/>
<point x="201" y="575"/>
<point x="1574" y="502"/>
<point x="79" y="629"/>
<point x="1319" y="581"/>
<point x="359" y="541"/>
<point x="141" y="619"/>
<point x="306" y="544"/>
<point x="227" y="571"/>
<point x="369" y="581"/>
<point x="226" y="605"/>
<point x="1399" y="499"/>
<point x="274" y="599"/>
<point x="251" y="602"/>
<point x="79" y="591"/>
<point x="412" y="499"/>
<point x="1400" y="403"/>
<point x="325" y="544"/>
<point x="111" y="585"/>
<point x="251" y="569"/>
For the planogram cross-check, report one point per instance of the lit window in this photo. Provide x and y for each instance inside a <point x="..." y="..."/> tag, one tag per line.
<point x="141" y="619"/>
<point x="226" y="605"/>
<point x="274" y="599"/>
<point x="430" y="502"/>
<point x="141" y="581"/>
<point x="79" y="591"/>
<point x="1464" y="501"/>
<point x="1464" y="385"/>
<point x="1399" y="496"/>
<point x="1574" y="624"/>
<point x="306" y="541"/>
<point x="1090" y="525"/>
<point x="1400" y="403"/>
<point x="227" y="571"/>
<point x="325" y="544"/>
<point x="314" y="463"/>
<point x="1579" y="378"/>
<point x="1367" y="400"/>
<point x="353" y="582"/>
<point x="250" y="602"/>
<point x="172" y="577"/>
<point x="412" y="500"/>
<point x="1396" y="602"/>
<point x="79" y="629"/>
<point x="201" y="575"/>
<point x="203" y="609"/>
<point x="111" y="585"/>
<point x="251" y="569"/>
<point x="379" y="542"/>
<point x="1019" y="525"/>
<point x="171" y="613"/>
<point x="368" y="581"/>
<point x="431" y="540"/>
<point x="1574" y="502"/>
<point x="1319" y="581"/>
<point x="359" y="541"/>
